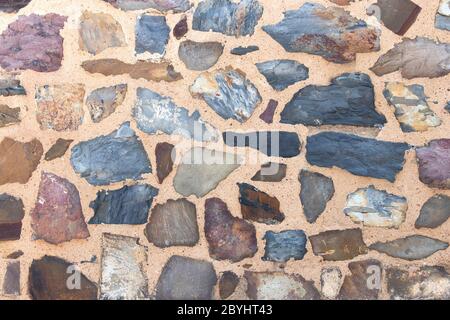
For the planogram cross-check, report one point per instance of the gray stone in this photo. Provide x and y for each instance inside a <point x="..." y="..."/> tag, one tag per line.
<point x="282" y="73"/>
<point x="162" y="5"/>
<point x="11" y="215"/>
<point x="443" y="15"/>
<point x="447" y="107"/>
<point x="104" y="101"/>
<point x="9" y="86"/>
<point x="200" y="56"/>
<point x="242" y="51"/>
<point x="11" y="281"/>
<point x="362" y="283"/>
<point x="227" y="284"/>
<point x="434" y="212"/>
<point x="152" y="34"/>
<point x="285" y="245"/>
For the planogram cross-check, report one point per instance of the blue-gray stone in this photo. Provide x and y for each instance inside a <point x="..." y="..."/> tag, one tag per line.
<point x="200" y="56"/>
<point x="112" y="158"/>
<point x="361" y="156"/>
<point x="228" y="17"/>
<point x="443" y="16"/>
<point x="316" y="191"/>
<point x="447" y="107"/>
<point x="282" y="73"/>
<point x="348" y="100"/>
<point x="285" y="245"/>
<point x="152" y="34"/>
<point x="241" y="51"/>
<point x="154" y="113"/>
<point x="175" y="6"/>
<point x="127" y="205"/>
<point x="11" y="87"/>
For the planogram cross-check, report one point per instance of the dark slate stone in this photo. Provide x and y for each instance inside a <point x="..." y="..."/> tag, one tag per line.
<point x="396" y="15"/>
<point x="447" y="107"/>
<point x="11" y="87"/>
<point x="282" y="73"/>
<point x="11" y="281"/>
<point x="58" y="149"/>
<point x="271" y="172"/>
<point x="227" y="284"/>
<point x="228" y="17"/>
<point x="11" y="215"/>
<point x="267" y="115"/>
<point x="348" y="100"/>
<point x="10" y="6"/>
<point x="360" y="156"/>
<point x="316" y="191"/>
<point x="152" y="34"/>
<point x="15" y="255"/>
<point x="106" y="159"/>
<point x="434" y="212"/>
<point x="242" y="51"/>
<point x="272" y="143"/>
<point x="181" y="28"/>
<point x="164" y="161"/>
<point x="127" y="205"/>
<point x="285" y="245"/>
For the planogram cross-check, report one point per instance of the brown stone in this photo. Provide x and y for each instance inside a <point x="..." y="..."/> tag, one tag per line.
<point x="18" y="160"/>
<point x="57" y="215"/>
<point x="103" y="102"/>
<point x="364" y="282"/>
<point x="58" y="149"/>
<point x="227" y="284"/>
<point x="434" y="163"/>
<point x="396" y="15"/>
<point x="15" y="255"/>
<point x="271" y="172"/>
<point x="267" y="115"/>
<point x="229" y="238"/>
<point x="11" y="282"/>
<point x="8" y="116"/>
<point x="181" y="28"/>
<point x="11" y="215"/>
<point x="164" y="161"/>
<point x="60" y="107"/>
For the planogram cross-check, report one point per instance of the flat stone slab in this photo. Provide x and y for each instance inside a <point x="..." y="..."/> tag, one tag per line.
<point x="330" y="282"/>
<point x="9" y="6"/>
<point x="242" y="51"/>
<point x="9" y="86"/>
<point x="103" y="102"/>
<point x="175" y="6"/>
<point x="443" y="15"/>
<point x="434" y="212"/>
<point x="11" y="215"/>
<point x="271" y="172"/>
<point x="396" y="15"/>
<point x="200" y="56"/>
<point x="227" y="284"/>
<point x="281" y="74"/>
<point x="165" y="157"/>
<point x="434" y="163"/>
<point x="152" y="34"/>
<point x="285" y="245"/>
<point x="11" y="281"/>
<point x="9" y="116"/>
<point x="58" y="149"/>
<point x="364" y="282"/>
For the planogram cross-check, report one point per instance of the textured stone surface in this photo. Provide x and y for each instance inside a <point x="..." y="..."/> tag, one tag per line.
<point x="164" y="160"/>
<point x="105" y="159"/>
<point x="11" y="215"/>
<point x="152" y="34"/>
<point x="48" y="279"/>
<point x="281" y="74"/>
<point x="330" y="282"/>
<point x="228" y="92"/>
<point x="329" y="32"/>
<point x="102" y="102"/>
<point x="227" y="284"/>
<point x="151" y="71"/>
<point x="57" y="215"/>
<point x="434" y="163"/>
<point x="360" y="156"/>
<point x="229" y="237"/>
<point x="18" y="160"/>
<point x="60" y="106"/>
<point x="267" y="115"/>
<point x="411" y="107"/>
<point x="58" y="149"/>
<point x="242" y="51"/>
<point x="316" y="190"/>
<point x="181" y="28"/>
<point x="376" y="208"/>
<point x="201" y="170"/>
<point x="33" y="42"/>
<point x="443" y="15"/>
<point x="173" y="223"/>
<point x="9" y="116"/>
<point x="127" y="205"/>
<point x="161" y="5"/>
<point x="154" y="113"/>
<point x="11" y="281"/>
<point x="100" y="31"/>
<point x="412" y="57"/>
<point x="272" y="143"/>
<point x="123" y="268"/>
<point x="9" y="86"/>
<point x="232" y="18"/>
<point x="337" y="245"/>
<point x="284" y="245"/>
<point x="279" y="286"/>
<point x="364" y="282"/>
<point x="271" y="172"/>
<point x="184" y="278"/>
<point x="348" y="100"/>
<point x="434" y="212"/>
<point x="447" y="107"/>
<point x="258" y="206"/>
<point x="396" y="15"/>
<point x="199" y="56"/>
<point x="413" y="247"/>
<point x="10" y="6"/>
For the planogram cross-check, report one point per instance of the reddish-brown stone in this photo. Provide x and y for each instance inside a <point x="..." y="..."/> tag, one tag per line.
<point x="11" y="215"/>
<point x="267" y="115"/>
<point x="364" y="283"/>
<point x="164" y="161"/>
<point x="434" y="164"/>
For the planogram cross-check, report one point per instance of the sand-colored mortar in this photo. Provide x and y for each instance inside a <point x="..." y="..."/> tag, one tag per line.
<point x="407" y="183"/>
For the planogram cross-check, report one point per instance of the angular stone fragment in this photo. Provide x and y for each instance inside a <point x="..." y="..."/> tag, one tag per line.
<point x="434" y="212"/>
<point x="201" y="170"/>
<point x="410" y="248"/>
<point x="60" y="107"/>
<point x="418" y="283"/>
<point x="18" y="160"/>
<point x="412" y="57"/>
<point x="272" y="143"/>
<point x="154" y="113"/>
<point x="127" y="205"/>
<point x="342" y="2"/>
<point x="434" y="163"/>
<point x="184" y="278"/>
<point x="316" y="191"/>
<point x="443" y="15"/>
<point x="242" y="51"/>
<point x="152" y="34"/>
<point x="283" y="73"/>
<point x="106" y="159"/>
<point x="271" y="172"/>
<point x="259" y="206"/>
<point x="411" y="107"/>
<point x="396" y="15"/>
<point x="329" y="32"/>
<point x="348" y="100"/>
<point x="359" y="156"/>
<point x="227" y="284"/>
<point x="10" y="6"/>
<point x="173" y="223"/>
<point x="9" y="86"/>
<point x="338" y="245"/>
<point x="364" y="282"/>
<point x="161" y="71"/>
<point x="165" y="157"/>
<point x="229" y="238"/>
<point x="123" y="268"/>
<point x="57" y="215"/>
<point x="58" y="149"/>
<point x="232" y="18"/>
<point x="161" y="5"/>
<point x="447" y="107"/>
<point x="8" y="116"/>
<point x="181" y="28"/>
<point x="228" y="92"/>
<point x="285" y="245"/>
<point x="11" y="215"/>
<point x="376" y="208"/>
<point x="330" y="282"/>
<point x="200" y="56"/>
<point x="279" y="286"/>
<point x="15" y="255"/>
<point x="52" y="278"/>
<point x="267" y="115"/>
<point x="103" y="102"/>
<point x="100" y="31"/>
<point x="11" y="281"/>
